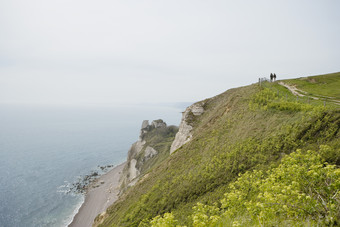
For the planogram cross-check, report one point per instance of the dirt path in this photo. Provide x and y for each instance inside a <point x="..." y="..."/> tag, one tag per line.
<point x="295" y="91"/>
<point x="298" y="92"/>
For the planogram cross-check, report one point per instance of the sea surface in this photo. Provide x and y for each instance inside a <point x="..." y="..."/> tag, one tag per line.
<point x="43" y="150"/>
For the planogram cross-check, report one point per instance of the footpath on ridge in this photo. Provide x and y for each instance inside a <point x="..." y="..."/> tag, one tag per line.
<point x="297" y="92"/>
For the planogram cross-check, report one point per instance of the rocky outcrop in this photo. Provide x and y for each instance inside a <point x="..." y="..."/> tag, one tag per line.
<point x="133" y="171"/>
<point x="147" y="128"/>
<point x="145" y="124"/>
<point x="142" y="150"/>
<point x="135" y="149"/>
<point x="158" y="124"/>
<point x="149" y="153"/>
<point x="184" y="133"/>
<point x="144" y="129"/>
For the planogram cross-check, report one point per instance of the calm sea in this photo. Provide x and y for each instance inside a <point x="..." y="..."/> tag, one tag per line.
<point x="43" y="150"/>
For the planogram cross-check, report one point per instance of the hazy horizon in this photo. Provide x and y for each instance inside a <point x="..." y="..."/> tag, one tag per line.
<point x="128" y="52"/>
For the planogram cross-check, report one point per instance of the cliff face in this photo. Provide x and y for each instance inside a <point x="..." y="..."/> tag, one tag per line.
<point x="153" y="144"/>
<point x="184" y="134"/>
<point x="220" y="139"/>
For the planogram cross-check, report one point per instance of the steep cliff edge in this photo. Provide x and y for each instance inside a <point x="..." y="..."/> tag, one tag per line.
<point x="184" y="134"/>
<point x="247" y="130"/>
<point x="152" y="147"/>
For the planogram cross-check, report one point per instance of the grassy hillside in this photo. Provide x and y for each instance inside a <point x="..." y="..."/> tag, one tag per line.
<point x="242" y="131"/>
<point x="324" y="86"/>
<point x="160" y="139"/>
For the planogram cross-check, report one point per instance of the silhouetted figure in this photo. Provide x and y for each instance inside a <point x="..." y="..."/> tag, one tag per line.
<point x="271" y="77"/>
<point x="274" y="76"/>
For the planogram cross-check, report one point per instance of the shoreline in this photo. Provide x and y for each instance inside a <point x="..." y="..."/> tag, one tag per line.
<point x="99" y="196"/>
<point x="70" y="218"/>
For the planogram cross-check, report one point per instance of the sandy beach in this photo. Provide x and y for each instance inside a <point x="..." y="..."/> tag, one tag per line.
<point x="99" y="197"/>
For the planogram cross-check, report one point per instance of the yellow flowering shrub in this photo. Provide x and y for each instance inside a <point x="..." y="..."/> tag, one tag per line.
<point x="301" y="188"/>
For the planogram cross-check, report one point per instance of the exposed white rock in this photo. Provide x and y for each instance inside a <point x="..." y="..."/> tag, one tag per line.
<point x="144" y="129"/>
<point x="184" y="133"/>
<point x="136" y="148"/>
<point x="133" y="171"/>
<point x="158" y="124"/>
<point x="149" y="152"/>
<point x="145" y="124"/>
<point x="197" y="109"/>
<point x="183" y="136"/>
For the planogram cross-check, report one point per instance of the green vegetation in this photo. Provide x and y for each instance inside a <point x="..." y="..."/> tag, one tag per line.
<point x="249" y="134"/>
<point x="320" y="86"/>
<point x="303" y="189"/>
<point x="160" y="139"/>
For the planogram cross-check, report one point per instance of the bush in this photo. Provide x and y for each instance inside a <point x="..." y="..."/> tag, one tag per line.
<point x="302" y="189"/>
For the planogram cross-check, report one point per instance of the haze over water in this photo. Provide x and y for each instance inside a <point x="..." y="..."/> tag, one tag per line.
<point x="45" y="149"/>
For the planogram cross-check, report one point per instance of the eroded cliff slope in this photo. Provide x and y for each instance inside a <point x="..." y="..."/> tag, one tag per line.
<point x="244" y="130"/>
<point x="151" y="148"/>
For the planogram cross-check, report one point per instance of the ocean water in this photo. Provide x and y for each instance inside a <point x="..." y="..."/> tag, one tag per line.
<point x="43" y="150"/>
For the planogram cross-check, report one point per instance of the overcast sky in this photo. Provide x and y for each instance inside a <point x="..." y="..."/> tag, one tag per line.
<point x="108" y="51"/>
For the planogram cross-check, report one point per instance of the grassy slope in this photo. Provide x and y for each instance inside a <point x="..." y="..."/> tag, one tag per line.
<point x="237" y="132"/>
<point x="324" y="85"/>
<point x="161" y="140"/>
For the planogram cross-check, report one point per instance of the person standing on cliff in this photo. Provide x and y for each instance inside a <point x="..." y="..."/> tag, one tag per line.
<point x="274" y="76"/>
<point x="271" y="77"/>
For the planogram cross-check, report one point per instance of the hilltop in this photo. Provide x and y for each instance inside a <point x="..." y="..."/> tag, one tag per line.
<point x="254" y="155"/>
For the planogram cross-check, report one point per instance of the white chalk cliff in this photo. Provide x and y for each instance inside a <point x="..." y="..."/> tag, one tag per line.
<point x="184" y="133"/>
<point x="136" y="158"/>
